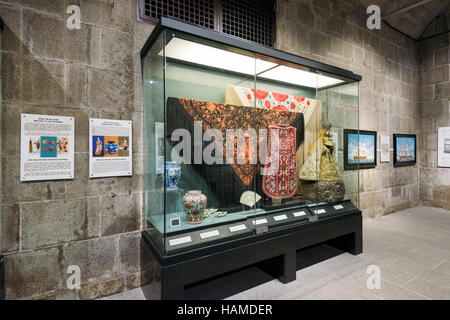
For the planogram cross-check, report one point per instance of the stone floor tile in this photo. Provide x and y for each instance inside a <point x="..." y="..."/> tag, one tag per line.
<point x="394" y="275"/>
<point x="437" y="253"/>
<point x="416" y="257"/>
<point x="444" y="268"/>
<point x="431" y="275"/>
<point x="411" y="248"/>
<point x="238" y="296"/>
<point x="428" y="289"/>
<point x="391" y="291"/>
<point x="135" y="294"/>
<point x="265" y="291"/>
<point x="305" y="288"/>
<point x="381" y="256"/>
<point x="358" y="284"/>
<point x="440" y="242"/>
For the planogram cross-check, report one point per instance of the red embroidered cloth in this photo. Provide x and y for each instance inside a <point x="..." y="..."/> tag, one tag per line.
<point x="283" y="182"/>
<point x="222" y="117"/>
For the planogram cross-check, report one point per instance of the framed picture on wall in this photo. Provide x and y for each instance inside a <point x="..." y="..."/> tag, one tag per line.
<point x="404" y="150"/>
<point x="360" y="149"/>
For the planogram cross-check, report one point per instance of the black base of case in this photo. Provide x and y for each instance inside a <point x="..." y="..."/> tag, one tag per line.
<point x="276" y="250"/>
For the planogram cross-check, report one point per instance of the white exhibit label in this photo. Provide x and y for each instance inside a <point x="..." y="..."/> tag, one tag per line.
<point x="259" y="221"/>
<point x="338" y="207"/>
<point x="335" y="138"/>
<point x="178" y="241"/>
<point x="299" y="214"/>
<point x="209" y="234"/>
<point x="238" y="228"/>
<point x="280" y="218"/>
<point x="320" y="211"/>
<point x="444" y="147"/>
<point x="384" y="149"/>
<point x="47" y="147"/>
<point x="159" y="147"/>
<point x="110" y="148"/>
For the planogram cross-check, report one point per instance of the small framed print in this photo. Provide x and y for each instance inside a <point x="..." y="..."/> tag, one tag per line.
<point x="175" y="223"/>
<point x="360" y="149"/>
<point x="404" y="150"/>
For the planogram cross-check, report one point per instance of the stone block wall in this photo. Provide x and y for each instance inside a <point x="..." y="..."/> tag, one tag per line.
<point x="335" y="32"/>
<point x="92" y="223"/>
<point x="434" y="85"/>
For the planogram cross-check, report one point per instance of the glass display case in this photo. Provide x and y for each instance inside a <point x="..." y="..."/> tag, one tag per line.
<point x="240" y="140"/>
<point x="2" y="267"/>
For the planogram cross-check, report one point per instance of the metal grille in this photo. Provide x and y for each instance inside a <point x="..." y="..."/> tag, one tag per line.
<point x="199" y="12"/>
<point x="246" y="19"/>
<point x="251" y="20"/>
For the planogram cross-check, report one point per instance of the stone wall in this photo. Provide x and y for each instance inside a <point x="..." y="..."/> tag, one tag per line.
<point x="434" y="54"/>
<point x="92" y="223"/>
<point x="335" y="32"/>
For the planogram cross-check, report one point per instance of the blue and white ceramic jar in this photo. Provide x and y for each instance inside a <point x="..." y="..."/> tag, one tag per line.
<point x="173" y="173"/>
<point x="111" y="148"/>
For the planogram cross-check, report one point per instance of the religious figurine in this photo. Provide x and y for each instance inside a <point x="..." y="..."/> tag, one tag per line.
<point x="329" y="170"/>
<point x="325" y="185"/>
<point x="99" y="149"/>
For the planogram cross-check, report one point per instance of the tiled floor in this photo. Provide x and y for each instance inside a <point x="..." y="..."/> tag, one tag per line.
<point x="411" y="248"/>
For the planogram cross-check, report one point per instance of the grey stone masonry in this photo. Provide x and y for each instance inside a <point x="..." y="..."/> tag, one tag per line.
<point x="335" y="32"/>
<point x="91" y="223"/>
<point x="434" y="105"/>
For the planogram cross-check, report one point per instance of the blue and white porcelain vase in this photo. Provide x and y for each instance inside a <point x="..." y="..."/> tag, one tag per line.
<point x="173" y="173"/>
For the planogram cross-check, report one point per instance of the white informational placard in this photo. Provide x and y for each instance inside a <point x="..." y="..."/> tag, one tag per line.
<point x="299" y="214"/>
<point x="335" y="138"/>
<point x="47" y="147"/>
<point x="384" y="149"/>
<point x="110" y="148"/>
<point x="280" y="217"/>
<point x="209" y="234"/>
<point x="178" y="241"/>
<point x="238" y="228"/>
<point x="444" y="147"/>
<point x="259" y="221"/>
<point x="159" y="147"/>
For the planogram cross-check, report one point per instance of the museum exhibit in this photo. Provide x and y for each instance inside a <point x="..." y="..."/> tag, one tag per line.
<point x="210" y="150"/>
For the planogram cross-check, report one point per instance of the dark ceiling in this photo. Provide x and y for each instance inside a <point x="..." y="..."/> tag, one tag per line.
<point x="414" y="21"/>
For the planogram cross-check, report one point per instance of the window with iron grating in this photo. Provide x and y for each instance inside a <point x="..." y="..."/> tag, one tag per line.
<point x="246" y="19"/>
<point x="250" y="20"/>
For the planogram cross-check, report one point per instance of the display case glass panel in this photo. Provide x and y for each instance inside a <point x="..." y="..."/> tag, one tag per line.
<point x="240" y="141"/>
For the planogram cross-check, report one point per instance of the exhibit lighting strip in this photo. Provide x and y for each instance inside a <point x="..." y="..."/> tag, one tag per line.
<point x="195" y="53"/>
<point x="299" y="77"/>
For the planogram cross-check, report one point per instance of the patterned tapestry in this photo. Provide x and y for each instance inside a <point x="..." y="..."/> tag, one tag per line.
<point x="283" y="183"/>
<point x="222" y="117"/>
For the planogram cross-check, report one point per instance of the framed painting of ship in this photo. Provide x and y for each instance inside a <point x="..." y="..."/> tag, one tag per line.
<point x="404" y="150"/>
<point x="360" y="149"/>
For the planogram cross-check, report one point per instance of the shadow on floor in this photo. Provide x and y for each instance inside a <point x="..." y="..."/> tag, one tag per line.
<point x="241" y="280"/>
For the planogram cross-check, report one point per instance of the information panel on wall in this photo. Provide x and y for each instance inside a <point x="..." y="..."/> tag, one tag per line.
<point x="444" y="147"/>
<point x="47" y="147"/>
<point x="110" y="148"/>
<point x="385" y="155"/>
